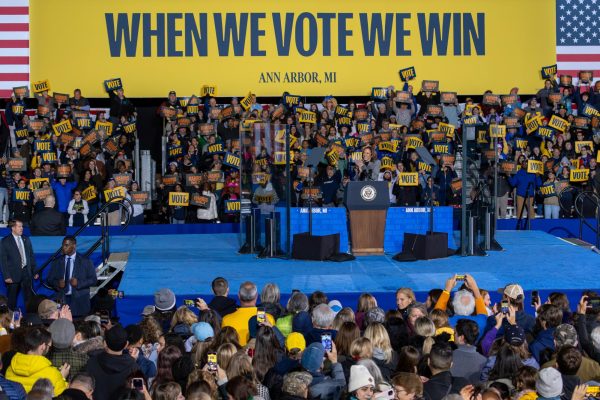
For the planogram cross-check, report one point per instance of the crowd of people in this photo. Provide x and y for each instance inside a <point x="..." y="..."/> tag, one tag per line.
<point x="454" y="346"/>
<point x="380" y="140"/>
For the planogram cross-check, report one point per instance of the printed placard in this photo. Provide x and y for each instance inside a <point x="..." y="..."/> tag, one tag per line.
<point x="111" y="146"/>
<point x="386" y="146"/>
<point x="361" y="114"/>
<point x="291" y="100"/>
<point x="179" y="199"/>
<point x="447" y="160"/>
<point x="508" y="167"/>
<point x="549" y="71"/>
<point x="548" y="190"/>
<point x="130" y="128"/>
<point x="441" y="148"/>
<point x="366" y="139"/>
<point x="43" y="111"/>
<point x="430" y="86"/>
<point x="21" y="92"/>
<point x="16" y="164"/>
<point x="497" y="131"/>
<point x="41" y="193"/>
<point x="448" y="129"/>
<point x="512" y="122"/>
<point x="554" y="98"/>
<point x="344" y="121"/>
<point x="579" y="175"/>
<point x="62" y="127"/>
<point x="37" y="183"/>
<point x="307" y="117"/>
<point x="216" y="148"/>
<point x="115" y="194"/>
<point x="279" y="158"/>
<point x="122" y="179"/>
<point x="22" y="134"/>
<point x="545" y="132"/>
<point x="18" y="109"/>
<point x="227" y="112"/>
<point x="207" y="129"/>
<point x="412" y="142"/>
<point x="471" y="121"/>
<point x="521" y="143"/>
<point x="169" y="180"/>
<point x="408" y="179"/>
<point x="558" y="123"/>
<point x="200" y="200"/>
<point x="89" y="193"/>
<point x="490" y="99"/>
<point x="208" y="90"/>
<point x="535" y="167"/>
<point x="67" y="138"/>
<point x="232" y="160"/>
<point x="424" y="166"/>
<point x="407" y="74"/>
<point x="113" y="84"/>
<point x="379" y="94"/>
<point x="63" y="170"/>
<point x="532" y="123"/>
<point x="60" y="98"/>
<point x="215" y="176"/>
<point x="84" y="123"/>
<point x="36" y="125"/>
<point x="456" y="185"/>
<point x="168" y="112"/>
<point x="41" y="146"/>
<point x="40" y="86"/>
<point x="141" y="197"/>
<point x="260" y="178"/>
<point x="194" y="179"/>
<point x="232" y="206"/>
<point x="436" y="136"/>
<point x="403" y="97"/>
<point x="590" y="111"/>
<point x="510" y="99"/>
<point x="583" y="143"/>
<point x="246" y="102"/>
<point x="21" y="195"/>
<point x="581" y="122"/>
<point x="435" y="110"/>
<point x="449" y="97"/>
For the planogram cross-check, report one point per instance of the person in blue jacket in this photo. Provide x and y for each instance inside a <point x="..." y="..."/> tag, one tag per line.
<point x="526" y="184"/>
<point x="63" y="191"/>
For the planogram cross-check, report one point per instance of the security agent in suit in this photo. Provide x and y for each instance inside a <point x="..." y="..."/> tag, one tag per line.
<point x="71" y="276"/>
<point x="17" y="262"/>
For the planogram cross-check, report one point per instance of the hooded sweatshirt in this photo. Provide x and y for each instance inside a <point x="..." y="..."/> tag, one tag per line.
<point x="110" y="372"/>
<point x="26" y="369"/>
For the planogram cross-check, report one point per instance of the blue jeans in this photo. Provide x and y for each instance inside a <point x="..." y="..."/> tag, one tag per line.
<point x="3" y="202"/>
<point x="551" y="212"/>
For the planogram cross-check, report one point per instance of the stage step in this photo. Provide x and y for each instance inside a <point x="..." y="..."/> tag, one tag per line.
<point x="117" y="262"/>
<point x="582" y="243"/>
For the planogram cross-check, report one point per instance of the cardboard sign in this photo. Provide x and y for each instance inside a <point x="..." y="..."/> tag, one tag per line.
<point x="40" y="86"/>
<point x="89" y="193"/>
<point x="22" y="134"/>
<point x="260" y="178"/>
<point x="490" y="99"/>
<point x="179" y="199"/>
<point x="232" y="160"/>
<point x="424" y="166"/>
<point x="67" y="138"/>
<point x="535" y="167"/>
<point x="448" y="129"/>
<point x="130" y="128"/>
<point x="579" y="175"/>
<point x="246" y="102"/>
<point x="216" y="148"/>
<point x="41" y="193"/>
<point x="456" y="185"/>
<point x="208" y="90"/>
<point x="512" y="122"/>
<point x="548" y="190"/>
<point x="510" y="99"/>
<point x="549" y="71"/>
<point x="21" y="92"/>
<point x="291" y="100"/>
<point x="36" y="125"/>
<point x="590" y="111"/>
<point x="111" y="146"/>
<point x="408" y="179"/>
<point x="403" y="97"/>
<point x="113" y="84"/>
<point x="379" y="94"/>
<point x="521" y="143"/>
<point x="194" y="179"/>
<point x="580" y="144"/>
<point x="508" y="167"/>
<point x="92" y="137"/>
<point x="430" y="86"/>
<point x="361" y="114"/>
<point x="61" y="98"/>
<point x="207" y="129"/>
<point x="449" y="97"/>
<point x="498" y="131"/>
<point x="307" y="117"/>
<point x="435" y="110"/>
<point x="115" y="194"/>
<point x="122" y="179"/>
<point x="232" y="206"/>
<point x="407" y="74"/>
<point x="215" y="176"/>
<point x="83" y="123"/>
<point x="140" y="197"/>
<point x="62" y="127"/>
<point x="199" y="200"/>
<point x="16" y="164"/>
<point x="63" y="171"/>
<point x="21" y="195"/>
<point x="37" y="183"/>
<point x="169" y="180"/>
<point x="545" y="132"/>
<point x="18" y="109"/>
<point x="581" y="122"/>
<point x="412" y="142"/>
<point x="558" y="123"/>
<point x="168" y="112"/>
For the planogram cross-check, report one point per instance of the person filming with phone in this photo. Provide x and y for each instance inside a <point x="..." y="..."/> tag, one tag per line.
<point x="71" y="276"/>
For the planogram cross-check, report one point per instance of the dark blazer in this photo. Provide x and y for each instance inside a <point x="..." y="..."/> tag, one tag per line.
<point x="48" y="222"/>
<point x="84" y="271"/>
<point x="10" y="259"/>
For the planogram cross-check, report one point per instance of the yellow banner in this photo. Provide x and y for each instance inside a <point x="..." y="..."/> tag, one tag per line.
<point x="180" y="199"/>
<point x="304" y="47"/>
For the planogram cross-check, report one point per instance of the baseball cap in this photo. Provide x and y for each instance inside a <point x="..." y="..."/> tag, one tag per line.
<point x="335" y="306"/>
<point x="295" y="383"/>
<point x="565" y="335"/>
<point x="295" y="340"/>
<point x="514" y="335"/>
<point x="513" y="291"/>
<point x="312" y="358"/>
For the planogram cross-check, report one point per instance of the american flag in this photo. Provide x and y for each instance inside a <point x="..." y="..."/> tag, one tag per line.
<point x="14" y="45"/>
<point x="578" y="37"/>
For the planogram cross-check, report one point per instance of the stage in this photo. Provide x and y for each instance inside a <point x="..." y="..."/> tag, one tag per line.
<point x="187" y="263"/>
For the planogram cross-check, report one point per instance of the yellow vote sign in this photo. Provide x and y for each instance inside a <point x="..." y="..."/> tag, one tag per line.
<point x="115" y="194"/>
<point x="579" y="175"/>
<point x="408" y="179"/>
<point x="181" y="199"/>
<point x="309" y="47"/>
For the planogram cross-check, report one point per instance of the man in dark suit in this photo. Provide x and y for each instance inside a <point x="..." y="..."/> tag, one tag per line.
<point x="72" y="275"/>
<point x="18" y="263"/>
<point x="48" y="222"/>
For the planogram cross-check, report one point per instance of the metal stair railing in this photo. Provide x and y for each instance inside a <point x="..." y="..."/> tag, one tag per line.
<point x="103" y="241"/>
<point x="579" y="209"/>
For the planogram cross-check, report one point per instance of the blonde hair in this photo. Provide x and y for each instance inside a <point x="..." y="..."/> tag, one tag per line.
<point x="361" y="348"/>
<point x="408" y="292"/>
<point x="366" y="301"/>
<point x="380" y="339"/>
<point x="440" y="318"/>
<point x="241" y="365"/>
<point x="183" y="315"/>
<point x="199" y="352"/>
<point x="425" y="327"/>
<point x="224" y="354"/>
<point x="200" y="375"/>
<point x="346" y="314"/>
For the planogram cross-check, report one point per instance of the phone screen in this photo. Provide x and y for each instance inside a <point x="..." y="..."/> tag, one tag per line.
<point x="212" y="361"/>
<point x="16" y="315"/>
<point x="504" y="307"/>
<point x="535" y="297"/>
<point x="138" y="383"/>
<point x="261" y="317"/>
<point x="326" y="341"/>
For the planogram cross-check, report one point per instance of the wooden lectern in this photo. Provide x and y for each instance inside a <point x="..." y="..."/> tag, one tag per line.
<point x="367" y="203"/>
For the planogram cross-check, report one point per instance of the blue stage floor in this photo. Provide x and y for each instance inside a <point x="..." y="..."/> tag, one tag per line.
<point x="188" y="263"/>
